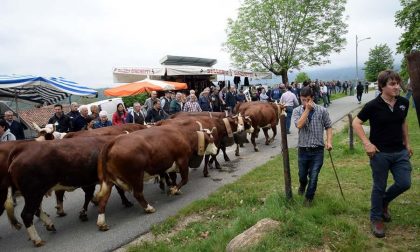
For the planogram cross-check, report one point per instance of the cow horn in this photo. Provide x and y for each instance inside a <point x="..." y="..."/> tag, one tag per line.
<point x="201" y="126"/>
<point x="36" y="127"/>
<point x="213" y="129"/>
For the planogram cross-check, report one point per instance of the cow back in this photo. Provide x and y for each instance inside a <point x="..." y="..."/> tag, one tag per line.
<point x="107" y="131"/>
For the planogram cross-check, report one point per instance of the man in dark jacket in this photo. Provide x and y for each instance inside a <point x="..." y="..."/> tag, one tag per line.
<point x="73" y="114"/>
<point x="15" y="127"/>
<point x="204" y="100"/>
<point x="82" y="120"/>
<point x="155" y="114"/>
<point x="359" y="91"/>
<point x="60" y="120"/>
<point x="176" y="104"/>
<point x="231" y="99"/>
<point x="137" y="115"/>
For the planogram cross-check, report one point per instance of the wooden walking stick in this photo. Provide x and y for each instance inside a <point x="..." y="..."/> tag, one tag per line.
<point x="336" y="176"/>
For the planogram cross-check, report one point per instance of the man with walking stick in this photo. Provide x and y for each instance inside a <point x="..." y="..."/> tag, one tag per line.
<point x="311" y="120"/>
<point x="388" y="146"/>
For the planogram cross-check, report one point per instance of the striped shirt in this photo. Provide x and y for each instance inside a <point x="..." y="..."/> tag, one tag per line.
<point x="312" y="133"/>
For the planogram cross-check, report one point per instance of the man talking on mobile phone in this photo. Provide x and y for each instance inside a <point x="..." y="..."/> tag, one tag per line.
<point x="311" y="120"/>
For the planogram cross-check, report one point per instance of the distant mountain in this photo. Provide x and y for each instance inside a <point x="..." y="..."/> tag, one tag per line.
<point x="345" y="73"/>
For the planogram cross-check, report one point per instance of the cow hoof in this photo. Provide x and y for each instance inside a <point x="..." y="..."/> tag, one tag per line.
<point x="237" y="154"/>
<point x="218" y="167"/>
<point x="241" y="145"/>
<point x="227" y="159"/>
<point x="61" y="214"/>
<point x="149" y="209"/>
<point x="206" y="175"/>
<point x="50" y="228"/>
<point x="256" y="149"/>
<point x="39" y="243"/>
<point x="128" y="204"/>
<point x="83" y="217"/>
<point x="17" y="225"/>
<point x="103" y="227"/>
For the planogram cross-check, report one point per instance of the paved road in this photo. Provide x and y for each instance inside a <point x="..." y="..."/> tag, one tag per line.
<point x="128" y="223"/>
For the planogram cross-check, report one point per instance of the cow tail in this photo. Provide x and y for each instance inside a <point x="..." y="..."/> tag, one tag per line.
<point x="102" y="167"/>
<point x="9" y="204"/>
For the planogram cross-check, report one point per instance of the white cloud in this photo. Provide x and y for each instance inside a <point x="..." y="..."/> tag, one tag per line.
<point x="84" y="40"/>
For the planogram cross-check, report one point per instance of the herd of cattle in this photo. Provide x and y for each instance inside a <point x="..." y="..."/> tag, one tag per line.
<point x="123" y="156"/>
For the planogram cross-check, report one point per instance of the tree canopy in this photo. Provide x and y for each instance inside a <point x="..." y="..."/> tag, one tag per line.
<point x="380" y="58"/>
<point x="301" y="77"/>
<point x="409" y="19"/>
<point x="281" y="35"/>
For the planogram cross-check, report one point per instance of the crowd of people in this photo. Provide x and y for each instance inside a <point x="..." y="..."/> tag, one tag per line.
<point x="156" y="108"/>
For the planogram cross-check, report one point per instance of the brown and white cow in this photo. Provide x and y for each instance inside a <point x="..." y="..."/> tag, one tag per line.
<point x="37" y="168"/>
<point x="227" y="128"/>
<point x="127" y="160"/>
<point x="263" y="115"/>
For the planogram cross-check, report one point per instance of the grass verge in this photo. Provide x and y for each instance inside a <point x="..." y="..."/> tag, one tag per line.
<point x="330" y="224"/>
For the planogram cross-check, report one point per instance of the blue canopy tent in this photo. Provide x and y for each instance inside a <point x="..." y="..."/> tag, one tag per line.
<point x="41" y="89"/>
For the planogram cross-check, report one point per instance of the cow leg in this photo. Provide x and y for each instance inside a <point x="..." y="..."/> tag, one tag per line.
<point x="89" y="190"/>
<point x="225" y="156"/>
<point x="124" y="199"/>
<point x="184" y="170"/>
<point x="274" y="129"/>
<point x="237" y="150"/>
<point x="138" y="194"/>
<point x="45" y="218"/>
<point x="31" y="206"/>
<point x="267" y="137"/>
<point x="59" y="197"/>
<point x="206" y="161"/>
<point x="253" y="136"/>
<point x="216" y="163"/>
<point x="103" y="196"/>
<point x="172" y="176"/>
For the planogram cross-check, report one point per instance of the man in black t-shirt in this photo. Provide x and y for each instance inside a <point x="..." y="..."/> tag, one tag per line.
<point x="388" y="146"/>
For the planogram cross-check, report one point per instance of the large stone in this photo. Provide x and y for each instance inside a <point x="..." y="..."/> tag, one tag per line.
<point x="252" y="235"/>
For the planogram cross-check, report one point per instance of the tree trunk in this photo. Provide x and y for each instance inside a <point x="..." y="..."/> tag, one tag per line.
<point x="413" y="63"/>
<point x="284" y="77"/>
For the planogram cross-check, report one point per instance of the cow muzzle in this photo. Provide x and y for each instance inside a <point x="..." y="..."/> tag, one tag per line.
<point x="211" y="149"/>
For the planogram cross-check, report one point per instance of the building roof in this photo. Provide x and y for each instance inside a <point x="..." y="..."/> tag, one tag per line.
<point x="40" y="115"/>
<point x="187" y="61"/>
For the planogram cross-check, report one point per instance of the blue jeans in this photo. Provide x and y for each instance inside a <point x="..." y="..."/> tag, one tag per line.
<point x="381" y="163"/>
<point x="310" y="163"/>
<point x="289" y="112"/>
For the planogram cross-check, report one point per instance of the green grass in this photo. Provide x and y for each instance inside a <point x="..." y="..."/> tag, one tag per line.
<point x="337" y="96"/>
<point x="330" y="223"/>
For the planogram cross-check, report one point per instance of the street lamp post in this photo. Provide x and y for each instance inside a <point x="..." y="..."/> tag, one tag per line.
<point x="357" y="64"/>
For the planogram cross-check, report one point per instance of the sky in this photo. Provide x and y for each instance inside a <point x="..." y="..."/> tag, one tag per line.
<point x="84" y="40"/>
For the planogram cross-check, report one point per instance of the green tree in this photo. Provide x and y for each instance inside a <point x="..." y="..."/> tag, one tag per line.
<point x="130" y="100"/>
<point x="301" y="77"/>
<point x="380" y="58"/>
<point x="281" y="35"/>
<point x="409" y="19"/>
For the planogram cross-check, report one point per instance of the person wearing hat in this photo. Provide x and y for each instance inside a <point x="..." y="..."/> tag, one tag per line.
<point x="103" y="120"/>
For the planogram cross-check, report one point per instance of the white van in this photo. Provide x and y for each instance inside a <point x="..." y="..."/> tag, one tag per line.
<point x="109" y="105"/>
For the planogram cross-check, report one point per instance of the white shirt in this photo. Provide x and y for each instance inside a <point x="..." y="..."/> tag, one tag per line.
<point x="289" y="99"/>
